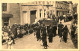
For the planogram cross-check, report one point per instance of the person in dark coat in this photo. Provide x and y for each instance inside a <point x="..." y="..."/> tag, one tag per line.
<point x="50" y="35"/>
<point x="38" y="33"/>
<point x="65" y="33"/>
<point x="60" y="29"/>
<point x="44" y="36"/>
<point x="43" y="33"/>
<point x="54" y="28"/>
<point x="45" y="44"/>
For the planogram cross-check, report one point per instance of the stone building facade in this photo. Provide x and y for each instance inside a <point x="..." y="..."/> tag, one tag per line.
<point x="32" y="12"/>
<point x="10" y="13"/>
<point x="42" y="9"/>
<point x="23" y="13"/>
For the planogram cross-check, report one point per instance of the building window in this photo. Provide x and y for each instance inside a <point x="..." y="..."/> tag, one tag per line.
<point x="4" y="6"/>
<point x="40" y="13"/>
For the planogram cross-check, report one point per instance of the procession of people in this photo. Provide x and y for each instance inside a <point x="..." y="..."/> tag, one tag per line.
<point x="43" y="32"/>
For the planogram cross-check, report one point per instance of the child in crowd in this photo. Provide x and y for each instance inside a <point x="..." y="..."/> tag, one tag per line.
<point x="9" y="43"/>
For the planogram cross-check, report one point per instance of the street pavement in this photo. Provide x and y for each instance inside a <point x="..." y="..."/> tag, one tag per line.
<point x="30" y="42"/>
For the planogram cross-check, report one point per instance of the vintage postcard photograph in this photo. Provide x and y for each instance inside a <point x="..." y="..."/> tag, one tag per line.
<point x="40" y="25"/>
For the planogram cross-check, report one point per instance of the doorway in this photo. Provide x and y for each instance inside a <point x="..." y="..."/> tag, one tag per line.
<point x="32" y="16"/>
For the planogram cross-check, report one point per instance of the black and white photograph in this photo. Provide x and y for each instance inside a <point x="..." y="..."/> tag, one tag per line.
<point x="40" y="25"/>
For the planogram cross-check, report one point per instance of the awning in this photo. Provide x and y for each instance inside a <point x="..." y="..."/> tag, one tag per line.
<point x="7" y="15"/>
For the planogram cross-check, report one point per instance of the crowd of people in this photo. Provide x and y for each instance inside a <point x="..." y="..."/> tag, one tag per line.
<point x="9" y="34"/>
<point x="42" y="32"/>
<point x="74" y="33"/>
